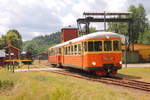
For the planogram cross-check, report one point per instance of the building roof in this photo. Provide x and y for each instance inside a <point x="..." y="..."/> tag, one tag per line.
<point x="92" y="36"/>
<point x="10" y="45"/>
<point x="69" y="27"/>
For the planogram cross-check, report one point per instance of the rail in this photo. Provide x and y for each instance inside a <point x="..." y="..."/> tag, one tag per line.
<point x="134" y="84"/>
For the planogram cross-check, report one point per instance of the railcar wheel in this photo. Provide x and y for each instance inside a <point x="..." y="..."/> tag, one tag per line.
<point x="53" y="65"/>
<point x="112" y="73"/>
<point x="59" y="65"/>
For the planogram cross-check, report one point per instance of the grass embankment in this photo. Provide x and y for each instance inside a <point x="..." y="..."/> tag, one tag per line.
<point x="35" y="64"/>
<point x="138" y="73"/>
<point x="50" y="86"/>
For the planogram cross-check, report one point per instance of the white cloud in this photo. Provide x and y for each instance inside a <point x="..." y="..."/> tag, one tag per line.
<point x="116" y="5"/>
<point x="37" y="17"/>
<point x="69" y="19"/>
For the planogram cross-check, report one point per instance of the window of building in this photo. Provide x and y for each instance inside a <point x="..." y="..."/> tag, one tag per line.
<point x="107" y="46"/>
<point x="116" y="45"/>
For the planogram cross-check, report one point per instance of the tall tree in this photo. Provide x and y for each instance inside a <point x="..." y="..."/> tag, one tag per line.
<point x="139" y="24"/>
<point x="121" y="28"/>
<point x="139" y="21"/>
<point x="2" y="43"/>
<point x="41" y="44"/>
<point x="92" y="29"/>
<point x="13" y="37"/>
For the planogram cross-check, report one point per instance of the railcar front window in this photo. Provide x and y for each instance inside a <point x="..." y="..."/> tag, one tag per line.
<point x="107" y="46"/>
<point x="98" y="46"/>
<point x="90" y="46"/>
<point x="116" y="45"/>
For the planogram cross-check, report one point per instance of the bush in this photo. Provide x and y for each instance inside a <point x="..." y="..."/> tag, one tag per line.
<point x="6" y="84"/>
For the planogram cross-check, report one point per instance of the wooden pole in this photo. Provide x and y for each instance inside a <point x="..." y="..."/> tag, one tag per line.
<point x="126" y="53"/>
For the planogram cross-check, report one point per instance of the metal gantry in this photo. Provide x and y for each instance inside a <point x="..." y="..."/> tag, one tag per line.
<point x="90" y="17"/>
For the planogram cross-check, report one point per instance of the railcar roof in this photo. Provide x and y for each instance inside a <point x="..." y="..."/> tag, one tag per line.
<point x="91" y="36"/>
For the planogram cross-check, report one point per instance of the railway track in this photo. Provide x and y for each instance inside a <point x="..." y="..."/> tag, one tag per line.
<point x="134" y="84"/>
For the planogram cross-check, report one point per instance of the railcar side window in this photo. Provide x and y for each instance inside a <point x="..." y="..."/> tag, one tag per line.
<point x="75" y="49"/>
<point x="107" y="46"/>
<point x="85" y="46"/>
<point x="98" y="46"/>
<point x="49" y="52"/>
<point x="65" y="50"/>
<point x="116" y="45"/>
<point x="71" y="49"/>
<point x="90" y="46"/>
<point x="52" y="53"/>
<point x="79" y="48"/>
<point x="60" y="50"/>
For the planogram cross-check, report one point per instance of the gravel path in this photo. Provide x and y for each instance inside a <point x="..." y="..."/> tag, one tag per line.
<point x="138" y="65"/>
<point x="37" y="69"/>
<point x="48" y="69"/>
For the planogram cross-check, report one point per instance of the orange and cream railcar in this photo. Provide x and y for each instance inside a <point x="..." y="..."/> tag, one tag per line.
<point x="99" y="52"/>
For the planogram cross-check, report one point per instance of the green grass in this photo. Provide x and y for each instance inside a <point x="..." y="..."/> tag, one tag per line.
<point x="51" y="86"/>
<point x="141" y="73"/>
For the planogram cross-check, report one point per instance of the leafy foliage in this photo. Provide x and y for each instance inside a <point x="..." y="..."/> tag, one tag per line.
<point x="11" y="37"/>
<point x="40" y="44"/>
<point x="139" y="23"/>
<point x="144" y="37"/>
<point x="121" y="28"/>
<point x="92" y="29"/>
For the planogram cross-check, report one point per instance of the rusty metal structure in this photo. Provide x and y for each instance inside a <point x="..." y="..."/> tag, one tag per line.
<point x="104" y="17"/>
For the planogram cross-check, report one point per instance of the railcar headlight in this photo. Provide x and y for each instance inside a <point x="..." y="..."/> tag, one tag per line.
<point x="94" y="63"/>
<point x="120" y="62"/>
<point x="107" y="37"/>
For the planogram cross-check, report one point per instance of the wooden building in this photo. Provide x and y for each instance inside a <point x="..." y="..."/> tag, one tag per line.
<point x="12" y="52"/>
<point x="2" y="57"/>
<point x="68" y="33"/>
<point x="41" y="56"/>
<point x="143" y="50"/>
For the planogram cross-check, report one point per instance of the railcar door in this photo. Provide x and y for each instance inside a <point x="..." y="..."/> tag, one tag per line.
<point x="82" y="54"/>
<point x="59" y="56"/>
<point x="62" y="55"/>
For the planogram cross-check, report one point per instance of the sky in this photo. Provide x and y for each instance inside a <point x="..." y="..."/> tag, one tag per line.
<point x="41" y="17"/>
